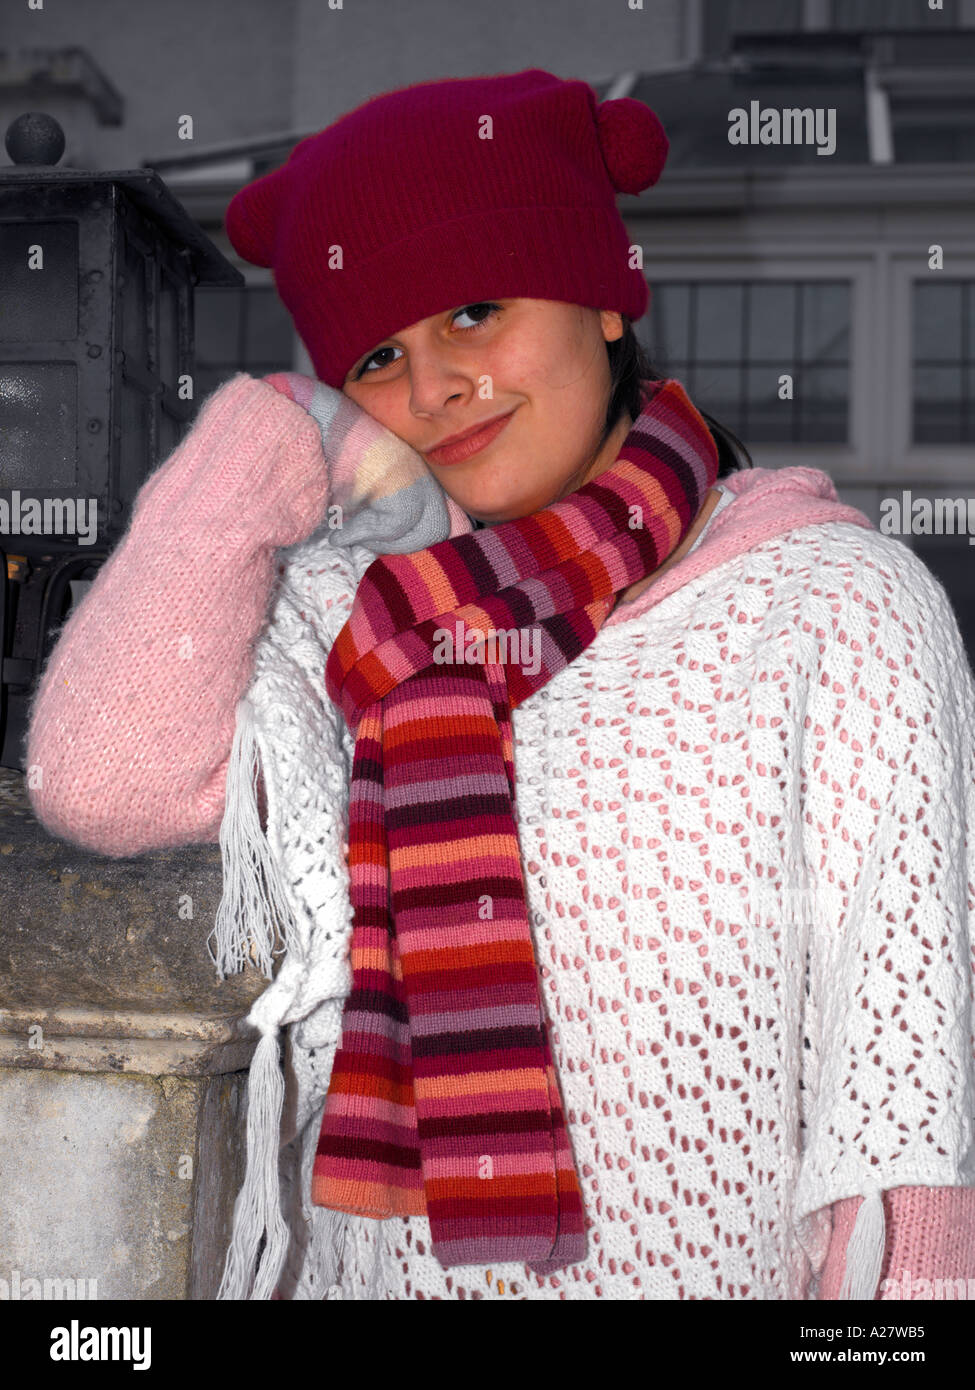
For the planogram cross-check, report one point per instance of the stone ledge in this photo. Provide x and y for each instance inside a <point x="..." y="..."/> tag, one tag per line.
<point x="80" y="930"/>
<point x="153" y="1044"/>
<point x="148" y="1057"/>
<point x="123" y="1063"/>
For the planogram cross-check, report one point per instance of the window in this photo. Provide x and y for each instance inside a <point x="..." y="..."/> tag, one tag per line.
<point x="730" y="341"/>
<point x="928" y="133"/>
<point x="943" y="345"/>
<point x="928" y="81"/>
<point x="240" y="330"/>
<point x="949" y="558"/>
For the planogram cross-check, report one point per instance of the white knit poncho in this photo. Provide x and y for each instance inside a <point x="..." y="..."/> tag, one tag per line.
<point x="747" y="821"/>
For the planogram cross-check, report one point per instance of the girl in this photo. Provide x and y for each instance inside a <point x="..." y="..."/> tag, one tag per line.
<point x="641" y="970"/>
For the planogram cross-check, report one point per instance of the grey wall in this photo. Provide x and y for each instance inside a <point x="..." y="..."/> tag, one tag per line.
<point x="346" y="56"/>
<point x="227" y="63"/>
<point x="255" y="67"/>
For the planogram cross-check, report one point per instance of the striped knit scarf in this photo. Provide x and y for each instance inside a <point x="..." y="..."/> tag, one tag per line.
<point x="443" y="1097"/>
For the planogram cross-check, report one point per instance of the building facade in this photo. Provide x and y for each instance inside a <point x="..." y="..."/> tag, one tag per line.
<point x="810" y="248"/>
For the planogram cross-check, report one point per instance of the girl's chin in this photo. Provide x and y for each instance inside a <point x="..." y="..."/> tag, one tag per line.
<point x="496" y="512"/>
<point x="497" y="518"/>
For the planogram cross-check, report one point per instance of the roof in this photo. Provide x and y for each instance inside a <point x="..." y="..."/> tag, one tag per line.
<point x="911" y="93"/>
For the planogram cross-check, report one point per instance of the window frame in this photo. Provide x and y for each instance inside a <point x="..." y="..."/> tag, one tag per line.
<point x="845" y="458"/>
<point x="953" y="462"/>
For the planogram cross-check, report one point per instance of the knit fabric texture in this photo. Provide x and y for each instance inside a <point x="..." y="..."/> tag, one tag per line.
<point x="712" y="1055"/>
<point x="788" y="503"/>
<point x="443" y="1099"/>
<point x="646" y="768"/>
<point x="380" y="491"/>
<point x="486" y="174"/>
<point x="929" y="1250"/>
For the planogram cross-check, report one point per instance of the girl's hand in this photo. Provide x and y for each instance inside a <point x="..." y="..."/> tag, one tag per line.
<point x="295" y="385"/>
<point x="386" y="497"/>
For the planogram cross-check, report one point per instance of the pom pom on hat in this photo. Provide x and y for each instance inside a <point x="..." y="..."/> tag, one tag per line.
<point x="633" y="142"/>
<point x="251" y="216"/>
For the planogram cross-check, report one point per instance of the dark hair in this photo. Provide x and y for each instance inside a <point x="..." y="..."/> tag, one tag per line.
<point x="629" y="365"/>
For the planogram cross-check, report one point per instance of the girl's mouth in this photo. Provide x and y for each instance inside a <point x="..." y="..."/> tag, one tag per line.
<point x="473" y="444"/>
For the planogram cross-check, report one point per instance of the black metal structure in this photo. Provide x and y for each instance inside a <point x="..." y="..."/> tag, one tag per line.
<point x="97" y="274"/>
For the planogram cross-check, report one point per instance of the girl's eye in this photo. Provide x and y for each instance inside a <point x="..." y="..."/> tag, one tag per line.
<point x="492" y="310"/>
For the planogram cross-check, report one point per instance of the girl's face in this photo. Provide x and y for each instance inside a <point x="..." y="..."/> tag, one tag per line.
<point x="541" y="359"/>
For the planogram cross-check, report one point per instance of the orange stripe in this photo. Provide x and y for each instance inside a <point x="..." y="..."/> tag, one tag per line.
<point x="372" y="670"/>
<point x="431" y="1090"/>
<point x="371" y="724"/>
<point x="476" y="618"/>
<point x="460" y="958"/>
<point x="345" y="647"/>
<point x="480" y="1082"/>
<point x="558" y="535"/>
<point x="373" y="854"/>
<point x="506" y="1185"/>
<point x="375" y="1199"/>
<point x="369" y="958"/>
<point x="461" y="726"/>
<point x="368" y="1084"/>
<point x="435" y="580"/>
<point x="444" y="854"/>
<point x="657" y="500"/>
<point x="594" y="570"/>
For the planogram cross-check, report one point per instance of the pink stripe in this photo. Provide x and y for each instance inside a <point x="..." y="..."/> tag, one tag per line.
<point x="344" y="467"/>
<point x="374" y="1108"/>
<point x="503" y="1102"/>
<point x="303" y="388"/>
<point x="585" y="525"/>
<point x="368" y="1170"/>
<point x="405" y="573"/>
<point x="469" y="868"/>
<point x="502" y="1165"/>
<point x="363" y="634"/>
<point x="429" y="940"/>
<point x="420" y="707"/>
<point x="401" y="655"/>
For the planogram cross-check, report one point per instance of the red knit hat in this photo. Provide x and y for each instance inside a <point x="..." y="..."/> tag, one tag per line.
<point x="448" y="193"/>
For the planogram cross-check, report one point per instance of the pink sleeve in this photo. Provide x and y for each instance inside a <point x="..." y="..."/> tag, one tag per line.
<point x="133" y="721"/>
<point x="930" y="1235"/>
